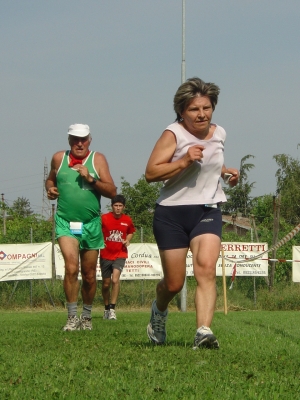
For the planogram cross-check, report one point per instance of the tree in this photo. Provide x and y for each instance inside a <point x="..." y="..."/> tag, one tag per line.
<point x="239" y="197"/>
<point x="288" y="185"/>
<point x="263" y="208"/>
<point x="26" y="230"/>
<point x="23" y="226"/>
<point x="21" y="207"/>
<point x="272" y="228"/>
<point x="140" y="202"/>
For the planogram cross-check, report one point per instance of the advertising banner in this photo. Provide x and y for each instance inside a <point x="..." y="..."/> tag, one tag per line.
<point x="25" y="261"/>
<point x="296" y="264"/>
<point x="34" y="261"/>
<point x="234" y="252"/>
<point x="143" y="261"/>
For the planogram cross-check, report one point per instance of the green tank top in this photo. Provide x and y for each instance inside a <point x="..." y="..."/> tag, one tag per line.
<point x="78" y="201"/>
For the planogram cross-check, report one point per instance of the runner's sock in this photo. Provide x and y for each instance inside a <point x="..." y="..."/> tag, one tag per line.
<point x="72" y="309"/>
<point x="87" y="311"/>
<point x="157" y="311"/>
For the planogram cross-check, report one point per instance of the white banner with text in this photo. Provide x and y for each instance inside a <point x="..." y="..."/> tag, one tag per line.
<point x="296" y="264"/>
<point x="235" y="252"/>
<point x="25" y="261"/>
<point x="143" y="261"/>
<point x="34" y="261"/>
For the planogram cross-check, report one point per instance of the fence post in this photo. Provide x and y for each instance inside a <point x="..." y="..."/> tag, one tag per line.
<point x="224" y="282"/>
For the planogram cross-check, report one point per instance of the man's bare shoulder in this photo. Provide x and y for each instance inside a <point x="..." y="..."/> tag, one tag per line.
<point x="57" y="157"/>
<point x="99" y="158"/>
<point x="59" y="154"/>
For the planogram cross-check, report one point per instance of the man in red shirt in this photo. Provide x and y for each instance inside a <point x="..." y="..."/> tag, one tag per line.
<point x="117" y="231"/>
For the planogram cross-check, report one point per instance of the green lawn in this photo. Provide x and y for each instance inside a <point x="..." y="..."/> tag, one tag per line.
<point x="259" y="358"/>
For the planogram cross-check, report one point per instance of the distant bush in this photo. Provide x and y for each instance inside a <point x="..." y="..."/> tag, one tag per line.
<point x="283" y="297"/>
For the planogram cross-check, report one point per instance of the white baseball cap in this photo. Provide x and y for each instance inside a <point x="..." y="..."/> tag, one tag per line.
<point x="79" y="130"/>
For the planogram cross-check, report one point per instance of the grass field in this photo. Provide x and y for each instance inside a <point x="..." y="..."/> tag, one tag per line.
<point x="259" y="358"/>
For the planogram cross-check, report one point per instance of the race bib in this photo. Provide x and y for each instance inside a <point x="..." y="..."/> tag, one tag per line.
<point x="76" y="228"/>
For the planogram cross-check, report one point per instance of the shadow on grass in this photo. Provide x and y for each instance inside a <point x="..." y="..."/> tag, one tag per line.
<point x="172" y="343"/>
<point x="277" y="331"/>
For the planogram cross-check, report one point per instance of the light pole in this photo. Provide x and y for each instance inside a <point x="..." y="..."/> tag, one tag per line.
<point x="4" y="215"/>
<point x="183" y="43"/>
<point x="184" y="289"/>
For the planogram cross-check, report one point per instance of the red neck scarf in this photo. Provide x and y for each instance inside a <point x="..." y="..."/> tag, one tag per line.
<point x="73" y="160"/>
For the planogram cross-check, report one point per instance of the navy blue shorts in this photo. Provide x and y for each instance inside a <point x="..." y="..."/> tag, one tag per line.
<point x="175" y="226"/>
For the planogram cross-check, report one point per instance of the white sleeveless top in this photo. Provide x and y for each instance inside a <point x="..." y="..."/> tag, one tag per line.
<point x="200" y="182"/>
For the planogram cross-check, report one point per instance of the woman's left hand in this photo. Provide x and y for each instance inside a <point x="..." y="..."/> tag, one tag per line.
<point x="234" y="179"/>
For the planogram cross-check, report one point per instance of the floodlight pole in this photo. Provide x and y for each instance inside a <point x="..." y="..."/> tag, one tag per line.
<point x="3" y="214"/>
<point x="31" y="236"/>
<point x="183" y="43"/>
<point x="184" y="289"/>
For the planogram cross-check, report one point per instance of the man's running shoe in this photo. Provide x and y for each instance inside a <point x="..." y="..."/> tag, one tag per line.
<point x="106" y="314"/>
<point x="156" y="329"/>
<point x="112" y="314"/>
<point x="205" y="339"/>
<point x="73" y="324"/>
<point x="86" y="323"/>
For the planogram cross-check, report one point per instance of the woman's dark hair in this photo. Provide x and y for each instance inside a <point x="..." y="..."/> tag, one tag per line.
<point x="194" y="87"/>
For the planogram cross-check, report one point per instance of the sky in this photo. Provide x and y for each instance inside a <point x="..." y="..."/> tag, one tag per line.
<point x="116" y="65"/>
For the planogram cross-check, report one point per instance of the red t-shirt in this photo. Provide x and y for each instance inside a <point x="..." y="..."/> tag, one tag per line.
<point x="115" y="231"/>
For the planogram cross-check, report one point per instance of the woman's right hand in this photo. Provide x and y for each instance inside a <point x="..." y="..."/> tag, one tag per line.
<point x="160" y="167"/>
<point x="194" y="153"/>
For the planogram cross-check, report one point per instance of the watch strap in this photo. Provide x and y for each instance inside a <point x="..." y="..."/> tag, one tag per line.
<point x="93" y="181"/>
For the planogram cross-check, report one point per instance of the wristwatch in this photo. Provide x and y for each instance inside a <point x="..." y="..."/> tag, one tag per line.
<point x="93" y="181"/>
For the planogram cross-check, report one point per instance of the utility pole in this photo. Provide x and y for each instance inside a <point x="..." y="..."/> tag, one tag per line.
<point x="183" y="296"/>
<point x="254" y="227"/>
<point x="3" y="214"/>
<point x="276" y="210"/>
<point x="142" y="235"/>
<point x="234" y="222"/>
<point x="46" y="203"/>
<point x="257" y="240"/>
<point x="183" y="43"/>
